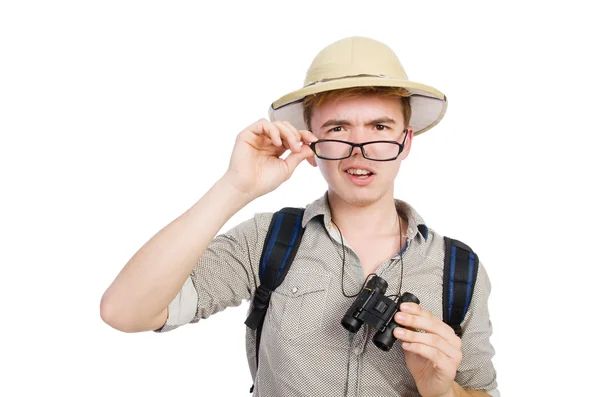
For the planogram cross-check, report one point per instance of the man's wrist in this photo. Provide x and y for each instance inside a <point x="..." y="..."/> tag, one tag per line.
<point x="456" y="390"/>
<point x="452" y="392"/>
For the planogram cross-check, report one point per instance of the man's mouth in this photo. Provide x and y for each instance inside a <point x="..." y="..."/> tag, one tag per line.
<point x="359" y="173"/>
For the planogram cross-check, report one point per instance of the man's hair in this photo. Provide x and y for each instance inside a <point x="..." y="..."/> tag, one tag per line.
<point x="312" y="102"/>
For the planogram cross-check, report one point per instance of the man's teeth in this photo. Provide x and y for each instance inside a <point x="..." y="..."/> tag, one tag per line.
<point x="357" y="171"/>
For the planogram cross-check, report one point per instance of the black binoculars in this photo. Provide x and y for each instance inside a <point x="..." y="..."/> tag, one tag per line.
<point x="374" y="308"/>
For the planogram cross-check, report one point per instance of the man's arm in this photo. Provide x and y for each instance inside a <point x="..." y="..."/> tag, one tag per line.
<point x="138" y="298"/>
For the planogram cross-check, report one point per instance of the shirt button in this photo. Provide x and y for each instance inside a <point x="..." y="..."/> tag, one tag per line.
<point x="294" y="290"/>
<point x="357" y="351"/>
<point x="410" y="231"/>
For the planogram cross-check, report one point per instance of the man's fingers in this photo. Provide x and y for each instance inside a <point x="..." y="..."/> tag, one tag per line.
<point x="307" y="136"/>
<point x="292" y="138"/>
<point x="263" y="127"/>
<point x="293" y="159"/>
<point x="415" y="317"/>
<point x="293" y="129"/>
<point x="431" y="340"/>
<point x="302" y="135"/>
<point x="283" y="135"/>
<point x="437" y="358"/>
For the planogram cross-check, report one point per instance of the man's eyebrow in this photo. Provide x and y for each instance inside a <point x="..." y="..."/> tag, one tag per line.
<point x="380" y="120"/>
<point x="336" y="122"/>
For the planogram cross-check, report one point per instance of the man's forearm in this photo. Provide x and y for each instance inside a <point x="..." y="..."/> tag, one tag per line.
<point x="154" y="275"/>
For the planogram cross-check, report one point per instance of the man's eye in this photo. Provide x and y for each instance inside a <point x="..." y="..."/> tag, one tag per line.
<point x="380" y="127"/>
<point x="336" y="129"/>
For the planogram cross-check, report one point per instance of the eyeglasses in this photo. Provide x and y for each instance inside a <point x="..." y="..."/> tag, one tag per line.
<point x="333" y="149"/>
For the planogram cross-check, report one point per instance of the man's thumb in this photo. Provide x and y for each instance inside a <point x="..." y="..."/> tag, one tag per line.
<point x="293" y="159"/>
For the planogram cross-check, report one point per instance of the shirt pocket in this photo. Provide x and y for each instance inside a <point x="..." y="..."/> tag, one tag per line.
<point x="298" y="304"/>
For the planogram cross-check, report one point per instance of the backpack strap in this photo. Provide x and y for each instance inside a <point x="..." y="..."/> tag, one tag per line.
<point x="280" y="247"/>
<point x="460" y="273"/>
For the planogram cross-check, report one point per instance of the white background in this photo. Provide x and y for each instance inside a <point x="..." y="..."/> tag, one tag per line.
<point x="116" y="116"/>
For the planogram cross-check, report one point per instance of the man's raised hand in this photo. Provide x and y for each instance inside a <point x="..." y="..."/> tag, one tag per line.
<point x="255" y="167"/>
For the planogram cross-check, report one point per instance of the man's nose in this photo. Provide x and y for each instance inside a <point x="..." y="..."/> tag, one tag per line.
<point x="358" y="135"/>
<point x="356" y="152"/>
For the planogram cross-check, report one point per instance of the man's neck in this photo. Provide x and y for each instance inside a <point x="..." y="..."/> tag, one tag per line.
<point x="374" y="219"/>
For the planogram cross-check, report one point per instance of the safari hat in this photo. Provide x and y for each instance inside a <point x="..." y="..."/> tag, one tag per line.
<point x="359" y="62"/>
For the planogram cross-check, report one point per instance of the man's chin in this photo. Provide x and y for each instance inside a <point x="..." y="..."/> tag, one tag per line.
<point x="357" y="197"/>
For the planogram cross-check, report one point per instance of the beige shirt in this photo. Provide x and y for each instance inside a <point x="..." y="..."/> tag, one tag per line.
<point x="304" y="349"/>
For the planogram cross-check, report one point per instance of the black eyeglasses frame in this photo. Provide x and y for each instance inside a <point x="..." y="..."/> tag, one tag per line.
<point x="361" y="146"/>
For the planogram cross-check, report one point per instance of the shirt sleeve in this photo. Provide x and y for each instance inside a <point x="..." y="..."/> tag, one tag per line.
<point x="224" y="276"/>
<point x="476" y="370"/>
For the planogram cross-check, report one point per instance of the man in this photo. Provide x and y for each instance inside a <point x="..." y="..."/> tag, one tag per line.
<point x="355" y="119"/>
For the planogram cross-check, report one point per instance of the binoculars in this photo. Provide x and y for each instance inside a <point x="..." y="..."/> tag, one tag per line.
<point x="374" y="308"/>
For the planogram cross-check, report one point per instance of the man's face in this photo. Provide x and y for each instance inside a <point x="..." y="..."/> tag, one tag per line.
<point x="358" y="120"/>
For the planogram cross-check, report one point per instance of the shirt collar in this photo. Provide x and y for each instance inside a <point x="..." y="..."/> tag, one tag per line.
<point x="416" y="224"/>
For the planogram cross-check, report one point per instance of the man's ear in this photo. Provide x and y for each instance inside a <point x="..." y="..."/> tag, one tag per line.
<point x="407" y="143"/>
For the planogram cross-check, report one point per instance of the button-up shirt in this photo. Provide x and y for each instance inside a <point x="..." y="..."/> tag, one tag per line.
<point x="304" y="349"/>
